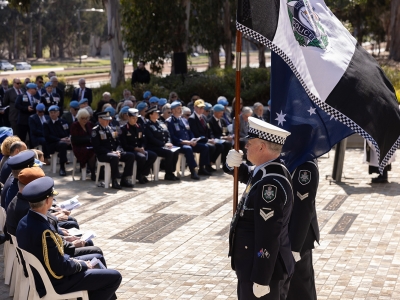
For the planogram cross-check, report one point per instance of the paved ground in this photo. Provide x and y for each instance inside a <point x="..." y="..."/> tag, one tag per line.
<point x="169" y="241"/>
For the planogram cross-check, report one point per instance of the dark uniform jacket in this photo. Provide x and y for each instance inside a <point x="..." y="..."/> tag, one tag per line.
<point x="36" y="128"/>
<point x="198" y="129"/>
<point x="157" y="135"/>
<point x="132" y="136"/>
<point x="54" y="132"/>
<point x="178" y="131"/>
<point x="258" y="239"/>
<point x="22" y="103"/>
<point x="87" y="94"/>
<point x="216" y="130"/>
<point x="303" y="226"/>
<point x="29" y="236"/>
<point x="104" y="140"/>
<point x="49" y="100"/>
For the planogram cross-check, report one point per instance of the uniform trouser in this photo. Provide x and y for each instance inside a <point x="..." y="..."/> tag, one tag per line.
<point x="227" y="146"/>
<point x="23" y="130"/>
<point x="204" y="154"/>
<point x="62" y="148"/>
<point x="101" y="284"/>
<point x="127" y="157"/>
<point x="90" y="250"/>
<point x="171" y="158"/>
<point x="144" y="165"/>
<point x="302" y="284"/>
<point x="42" y="141"/>
<point x="14" y="126"/>
<point x="278" y="290"/>
<point x="215" y="151"/>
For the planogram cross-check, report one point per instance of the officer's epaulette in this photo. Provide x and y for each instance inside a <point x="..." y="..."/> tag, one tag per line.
<point x="169" y="119"/>
<point x="95" y="127"/>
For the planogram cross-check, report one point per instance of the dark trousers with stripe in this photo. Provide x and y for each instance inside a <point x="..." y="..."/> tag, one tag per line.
<point x="302" y="285"/>
<point x="278" y="290"/>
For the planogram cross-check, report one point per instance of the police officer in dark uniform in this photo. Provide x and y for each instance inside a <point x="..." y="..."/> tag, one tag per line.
<point x="56" y="132"/>
<point x="26" y="106"/>
<point x="49" y="98"/>
<point x="259" y="239"/>
<point x="182" y="137"/>
<point x="106" y="145"/>
<point x="303" y="230"/>
<point x="37" y="236"/>
<point x="134" y="140"/>
<point x="158" y="141"/>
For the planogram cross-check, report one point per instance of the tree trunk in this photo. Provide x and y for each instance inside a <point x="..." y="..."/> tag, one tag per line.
<point x="39" y="49"/>
<point x="214" y="59"/>
<point x="247" y="53"/>
<point x="186" y="4"/>
<point x="30" y="51"/>
<point x="15" y="44"/>
<point x="395" y="31"/>
<point x="228" y="34"/>
<point x="61" y="53"/>
<point x="261" y="55"/>
<point x="115" y="42"/>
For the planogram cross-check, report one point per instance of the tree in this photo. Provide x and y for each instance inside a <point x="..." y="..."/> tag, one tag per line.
<point x="395" y="30"/>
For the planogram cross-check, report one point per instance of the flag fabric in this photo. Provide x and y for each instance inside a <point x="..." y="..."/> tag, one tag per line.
<point x="313" y="131"/>
<point x="337" y="74"/>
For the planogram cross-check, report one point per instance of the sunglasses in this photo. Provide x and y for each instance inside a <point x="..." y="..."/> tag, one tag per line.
<point x="168" y="112"/>
<point x="18" y="82"/>
<point x="187" y="115"/>
<point x="40" y="111"/>
<point x="40" y="81"/>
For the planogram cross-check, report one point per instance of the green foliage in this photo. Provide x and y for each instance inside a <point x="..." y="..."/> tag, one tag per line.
<point x="393" y="75"/>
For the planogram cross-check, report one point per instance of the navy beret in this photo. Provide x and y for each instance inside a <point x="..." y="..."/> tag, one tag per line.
<point x="39" y="189"/>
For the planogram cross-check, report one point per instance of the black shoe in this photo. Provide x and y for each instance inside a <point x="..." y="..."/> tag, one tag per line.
<point x="125" y="183"/>
<point x="169" y="176"/>
<point x="176" y="178"/>
<point x="115" y="185"/>
<point x="62" y="172"/>
<point x="204" y="172"/>
<point x="93" y="176"/>
<point x="379" y="179"/>
<point x="3" y="239"/>
<point x="210" y="169"/>
<point x="119" y="176"/>
<point x="194" y="176"/>
<point x="143" y="180"/>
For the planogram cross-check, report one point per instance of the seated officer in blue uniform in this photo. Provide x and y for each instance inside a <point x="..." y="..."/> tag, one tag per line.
<point x="49" y="98"/>
<point x="56" y="132"/>
<point x="36" y="236"/>
<point x="259" y="243"/>
<point x="184" y="138"/>
<point x="25" y="104"/>
<point x="106" y="145"/>
<point x="36" y="129"/>
<point x="134" y="140"/>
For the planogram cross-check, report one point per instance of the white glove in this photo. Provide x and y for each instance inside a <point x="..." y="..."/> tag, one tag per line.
<point x="296" y="256"/>
<point x="234" y="158"/>
<point x="260" y="290"/>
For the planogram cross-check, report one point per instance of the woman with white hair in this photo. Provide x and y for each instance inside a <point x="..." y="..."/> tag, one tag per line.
<point x="81" y="132"/>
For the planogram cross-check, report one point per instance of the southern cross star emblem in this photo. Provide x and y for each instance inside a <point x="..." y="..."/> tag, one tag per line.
<point x="312" y="111"/>
<point x="280" y="118"/>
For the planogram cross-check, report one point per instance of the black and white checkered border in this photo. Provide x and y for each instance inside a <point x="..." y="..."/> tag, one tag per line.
<point x="267" y="136"/>
<point x="328" y="109"/>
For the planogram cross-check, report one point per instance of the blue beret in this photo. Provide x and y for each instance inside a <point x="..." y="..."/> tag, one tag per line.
<point x="22" y="160"/>
<point x="208" y="106"/>
<point x="48" y="83"/>
<point x="31" y="86"/>
<point x="154" y="99"/>
<point x="40" y="107"/>
<point x="162" y="101"/>
<point x="39" y="189"/>
<point x="74" y="104"/>
<point x="111" y="110"/>
<point x="142" y="105"/>
<point x="84" y="100"/>
<point x="54" y="108"/>
<point x="176" y="104"/>
<point x="222" y="100"/>
<point x="124" y="109"/>
<point x="218" y="107"/>
<point x="146" y="94"/>
<point x="269" y="102"/>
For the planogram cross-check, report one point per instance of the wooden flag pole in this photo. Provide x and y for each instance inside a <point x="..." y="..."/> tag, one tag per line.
<point x="237" y="111"/>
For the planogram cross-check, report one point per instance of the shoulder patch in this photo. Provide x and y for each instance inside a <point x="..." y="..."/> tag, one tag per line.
<point x="269" y="192"/>
<point x="94" y="133"/>
<point x="304" y="177"/>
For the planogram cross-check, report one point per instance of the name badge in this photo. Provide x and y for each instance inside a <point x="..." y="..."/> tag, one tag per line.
<point x="56" y="99"/>
<point x="177" y="128"/>
<point x="47" y="99"/>
<point x="103" y="136"/>
<point x="140" y="135"/>
<point x="25" y="98"/>
<point x="65" y="126"/>
<point x="115" y="134"/>
<point x="164" y="126"/>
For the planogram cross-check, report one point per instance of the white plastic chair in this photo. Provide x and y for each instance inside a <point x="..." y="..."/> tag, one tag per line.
<point x="218" y="162"/>
<point x="9" y="255"/>
<point x="22" y="282"/>
<point x="134" y="170"/>
<point x="83" y="170"/>
<point x="181" y="165"/>
<point x="156" y="167"/>
<point x="54" y="158"/>
<point x="32" y="261"/>
<point x="107" y="173"/>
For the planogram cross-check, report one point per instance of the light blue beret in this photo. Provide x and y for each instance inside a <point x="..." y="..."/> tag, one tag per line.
<point x="54" y="108"/>
<point x="176" y="104"/>
<point x="74" y="104"/>
<point x="146" y="94"/>
<point x="142" y="105"/>
<point x="218" y="107"/>
<point x="154" y="99"/>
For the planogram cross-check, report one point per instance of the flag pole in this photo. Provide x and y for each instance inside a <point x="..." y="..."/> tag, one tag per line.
<point x="237" y="110"/>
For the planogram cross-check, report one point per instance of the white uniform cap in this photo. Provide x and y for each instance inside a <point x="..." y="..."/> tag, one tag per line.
<point x="265" y="131"/>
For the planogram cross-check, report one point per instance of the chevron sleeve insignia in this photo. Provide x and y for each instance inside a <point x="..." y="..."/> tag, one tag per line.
<point x="302" y="197"/>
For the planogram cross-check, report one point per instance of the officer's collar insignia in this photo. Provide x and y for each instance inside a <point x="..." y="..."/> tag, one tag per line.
<point x="304" y="177"/>
<point x="269" y="192"/>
